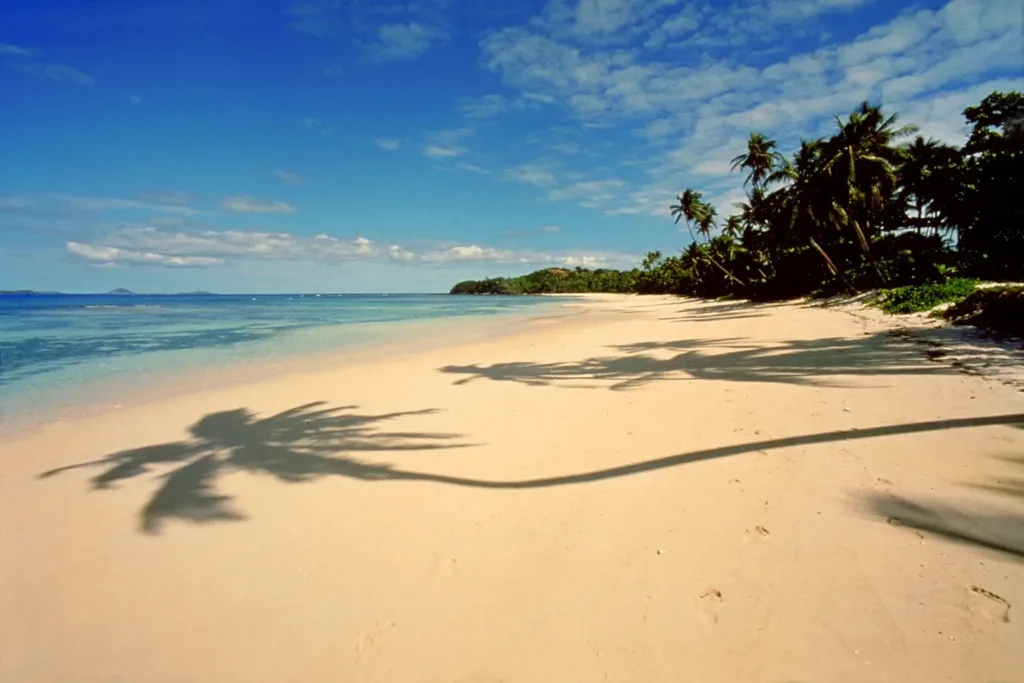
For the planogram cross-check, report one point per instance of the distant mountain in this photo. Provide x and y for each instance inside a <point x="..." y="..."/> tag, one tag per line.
<point x="120" y="291"/>
<point x="197" y="293"/>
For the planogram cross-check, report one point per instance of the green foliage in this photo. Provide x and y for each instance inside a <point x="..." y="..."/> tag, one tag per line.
<point x="858" y="209"/>
<point x="916" y="298"/>
<point x="995" y="309"/>
<point x="987" y="209"/>
<point x="555" y="281"/>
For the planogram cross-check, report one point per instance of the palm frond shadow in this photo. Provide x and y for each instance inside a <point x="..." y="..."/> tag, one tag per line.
<point x="805" y="362"/>
<point x="993" y="528"/>
<point x="308" y="442"/>
<point x="297" y="445"/>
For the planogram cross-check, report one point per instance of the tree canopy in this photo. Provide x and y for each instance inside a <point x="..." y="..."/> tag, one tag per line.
<point x="871" y="205"/>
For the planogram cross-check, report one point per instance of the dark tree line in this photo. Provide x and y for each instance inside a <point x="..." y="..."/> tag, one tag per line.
<point x="870" y="206"/>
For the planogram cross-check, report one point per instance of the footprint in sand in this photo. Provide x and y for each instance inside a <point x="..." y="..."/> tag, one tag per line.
<point x="758" y="532"/>
<point x="707" y="605"/>
<point x="444" y="568"/>
<point x="986" y="603"/>
<point x="366" y="640"/>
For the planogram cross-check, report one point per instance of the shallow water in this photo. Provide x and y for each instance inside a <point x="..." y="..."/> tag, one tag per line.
<point x="53" y="346"/>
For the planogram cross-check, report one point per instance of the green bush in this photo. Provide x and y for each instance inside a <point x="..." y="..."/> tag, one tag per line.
<point x="917" y="298"/>
<point x="996" y="309"/>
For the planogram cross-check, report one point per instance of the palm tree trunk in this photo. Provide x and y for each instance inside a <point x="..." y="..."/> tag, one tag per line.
<point x="866" y="248"/>
<point x="832" y="266"/>
<point x="723" y="269"/>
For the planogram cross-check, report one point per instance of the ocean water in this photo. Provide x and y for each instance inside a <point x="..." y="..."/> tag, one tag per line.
<point x="56" y="349"/>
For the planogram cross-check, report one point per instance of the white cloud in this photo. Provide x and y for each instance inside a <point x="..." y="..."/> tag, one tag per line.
<point x="16" y="51"/>
<point x="387" y="144"/>
<point x="174" y="197"/>
<point x="289" y="176"/>
<point x="482" y="107"/>
<point x="316" y="17"/>
<point x="545" y="230"/>
<point x="925" y="64"/>
<point x="148" y="245"/>
<point x="472" y="168"/>
<point x="438" y="151"/>
<point x="244" y="204"/>
<point x="57" y="72"/>
<point x="591" y="194"/>
<point x="533" y="174"/>
<point x="675" y="27"/>
<point x="450" y="137"/>
<point x="475" y="253"/>
<point x="397" y="253"/>
<point x="112" y="256"/>
<point x="27" y="60"/>
<point x="404" y="41"/>
<point x="151" y="246"/>
<point x="446" y="143"/>
<point x="104" y="204"/>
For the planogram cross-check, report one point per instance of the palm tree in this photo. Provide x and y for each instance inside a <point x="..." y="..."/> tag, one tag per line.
<point x="859" y="172"/>
<point x="761" y="158"/>
<point x="733" y="227"/>
<point x="803" y="207"/>
<point x="688" y="207"/>
<point x="929" y="179"/>
<point x="705" y="217"/>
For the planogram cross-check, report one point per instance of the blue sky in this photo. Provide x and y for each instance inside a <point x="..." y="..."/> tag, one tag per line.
<point x="358" y="145"/>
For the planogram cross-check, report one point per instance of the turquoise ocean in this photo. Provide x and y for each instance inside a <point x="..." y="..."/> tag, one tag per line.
<point x="57" y="349"/>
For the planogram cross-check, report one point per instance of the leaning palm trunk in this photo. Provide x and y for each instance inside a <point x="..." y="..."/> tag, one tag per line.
<point x="724" y="270"/>
<point x="832" y="266"/>
<point x="866" y="248"/>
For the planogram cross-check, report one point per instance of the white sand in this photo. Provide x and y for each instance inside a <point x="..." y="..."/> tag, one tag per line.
<point x="655" y="491"/>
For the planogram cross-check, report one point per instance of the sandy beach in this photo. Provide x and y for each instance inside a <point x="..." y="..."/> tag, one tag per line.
<point x="650" y="490"/>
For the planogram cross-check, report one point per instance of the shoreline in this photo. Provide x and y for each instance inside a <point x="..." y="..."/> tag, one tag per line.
<point x="132" y="389"/>
<point x="653" y="489"/>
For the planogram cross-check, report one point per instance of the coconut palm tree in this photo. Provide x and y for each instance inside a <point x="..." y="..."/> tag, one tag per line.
<point x="761" y="159"/>
<point x="705" y="218"/>
<point x="859" y="172"/>
<point x="687" y="207"/>
<point x="733" y="227"/>
<point x="929" y="180"/>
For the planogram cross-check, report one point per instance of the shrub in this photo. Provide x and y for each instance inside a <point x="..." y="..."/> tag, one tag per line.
<point x="996" y="309"/>
<point x="917" y="298"/>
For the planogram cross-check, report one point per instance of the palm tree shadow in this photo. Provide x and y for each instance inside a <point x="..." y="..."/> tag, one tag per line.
<point x="993" y="528"/>
<point x="815" y="362"/>
<point x="302" y="444"/>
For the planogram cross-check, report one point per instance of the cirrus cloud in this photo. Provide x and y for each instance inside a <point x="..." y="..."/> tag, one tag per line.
<point x="246" y="204"/>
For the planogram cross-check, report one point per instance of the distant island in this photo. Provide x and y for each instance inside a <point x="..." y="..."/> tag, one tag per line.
<point x="120" y="291"/>
<point x="555" y="281"/>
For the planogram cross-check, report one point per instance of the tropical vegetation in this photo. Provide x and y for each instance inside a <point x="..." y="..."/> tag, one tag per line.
<point x="994" y="309"/>
<point x="554" y="281"/>
<point x="871" y="206"/>
<point x="916" y="298"/>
